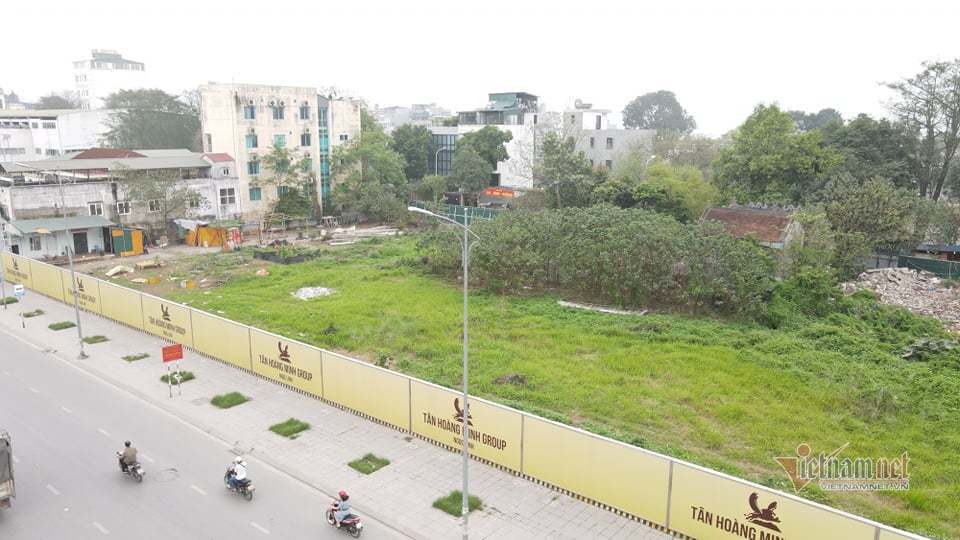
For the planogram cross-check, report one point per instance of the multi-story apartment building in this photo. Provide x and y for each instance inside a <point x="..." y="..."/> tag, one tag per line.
<point x="418" y="114"/>
<point x="27" y="134"/>
<point x="248" y="120"/>
<point x="104" y="73"/>
<point x="600" y="142"/>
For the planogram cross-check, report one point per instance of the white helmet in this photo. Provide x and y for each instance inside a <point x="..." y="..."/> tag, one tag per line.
<point x="238" y="459"/>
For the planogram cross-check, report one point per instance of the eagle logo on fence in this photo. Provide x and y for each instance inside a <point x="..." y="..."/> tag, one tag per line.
<point x="80" y="285"/>
<point x="15" y="265"/>
<point x="166" y="312"/>
<point x="284" y="352"/>
<point x="764" y="517"/>
<point x="459" y="415"/>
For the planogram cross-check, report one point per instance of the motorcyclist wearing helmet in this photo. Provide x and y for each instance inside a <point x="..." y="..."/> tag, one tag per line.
<point x="128" y="457"/>
<point x="342" y="507"/>
<point x="238" y="472"/>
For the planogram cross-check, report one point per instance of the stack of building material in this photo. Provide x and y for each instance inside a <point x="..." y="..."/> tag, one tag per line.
<point x="920" y="292"/>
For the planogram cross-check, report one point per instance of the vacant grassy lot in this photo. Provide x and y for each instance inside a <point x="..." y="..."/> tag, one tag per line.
<point x="729" y="395"/>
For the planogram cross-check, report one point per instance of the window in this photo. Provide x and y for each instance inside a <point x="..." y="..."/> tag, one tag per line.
<point x="322" y="117"/>
<point x="251" y="140"/>
<point x="154" y="205"/>
<point x="304" y="112"/>
<point x="609" y="143"/>
<point x="123" y="208"/>
<point x="194" y="200"/>
<point x="33" y="125"/>
<point x="282" y="190"/>
<point x="598" y="121"/>
<point x="280" y="140"/>
<point x="225" y="171"/>
<point x="592" y="142"/>
<point x="38" y="151"/>
<point x="35" y="243"/>
<point x="255" y="194"/>
<point x="304" y="139"/>
<point x="208" y="142"/>
<point x="573" y="118"/>
<point x="609" y="164"/>
<point x="96" y="208"/>
<point x="49" y="125"/>
<point x="52" y="152"/>
<point x="249" y="112"/>
<point x="277" y="112"/>
<point x="227" y="196"/>
<point x="344" y="136"/>
<point x="253" y="168"/>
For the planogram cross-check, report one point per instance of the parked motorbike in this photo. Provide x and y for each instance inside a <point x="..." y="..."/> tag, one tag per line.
<point x="351" y="523"/>
<point x="134" y="471"/>
<point x="244" y="487"/>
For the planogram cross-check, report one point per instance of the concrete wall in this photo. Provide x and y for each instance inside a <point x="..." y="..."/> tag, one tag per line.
<point x="624" y="140"/>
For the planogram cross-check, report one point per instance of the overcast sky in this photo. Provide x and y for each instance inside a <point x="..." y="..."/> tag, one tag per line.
<point x="720" y="58"/>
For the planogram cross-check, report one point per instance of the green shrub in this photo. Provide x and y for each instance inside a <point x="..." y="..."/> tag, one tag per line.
<point x="63" y="325"/>
<point x="453" y="503"/>
<point x="369" y="463"/>
<point x="290" y="428"/>
<point x="225" y="401"/>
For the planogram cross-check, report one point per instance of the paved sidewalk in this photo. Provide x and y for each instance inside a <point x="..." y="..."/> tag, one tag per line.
<point x="400" y="495"/>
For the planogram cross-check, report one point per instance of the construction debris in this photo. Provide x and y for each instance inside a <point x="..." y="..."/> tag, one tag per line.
<point x="600" y="309"/>
<point x="263" y="272"/>
<point x="306" y="293"/>
<point x="339" y="236"/>
<point x="921" y="292"/>
<point x="152" y="263"/>
<point x="117" y="270"/>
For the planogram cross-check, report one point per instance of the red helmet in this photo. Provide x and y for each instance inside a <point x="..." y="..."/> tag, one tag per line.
<point x="343" y="495"/>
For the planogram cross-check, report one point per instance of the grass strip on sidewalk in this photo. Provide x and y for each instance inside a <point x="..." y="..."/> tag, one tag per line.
<point x="453" y="503"/>
<point x="90" y="340"/>
<point x="225" y="401"/>
<point x="135" y="357"/>
<point x="34" y="313"/>
<point x="8" y="300"/>
<point x="184" y="377"/>
<point x="290" y="428"/>
<point x="369" y="464"/>
<point x="62" y="325"/>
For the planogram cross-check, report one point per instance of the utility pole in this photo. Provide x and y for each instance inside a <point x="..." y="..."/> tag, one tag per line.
<point x="73" y="276"/>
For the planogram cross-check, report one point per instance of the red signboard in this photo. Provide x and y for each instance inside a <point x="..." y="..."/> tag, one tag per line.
<point x="172" y="352"/>
<point x="499" y="192"/>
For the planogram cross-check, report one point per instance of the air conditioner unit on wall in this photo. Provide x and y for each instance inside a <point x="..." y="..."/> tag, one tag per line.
<point x="282" y="103"/>
<point x="273" y="103"/>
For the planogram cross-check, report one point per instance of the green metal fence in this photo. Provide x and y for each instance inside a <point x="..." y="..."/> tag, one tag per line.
<point x="946" y="269"/>
<point x="459" y="213"/>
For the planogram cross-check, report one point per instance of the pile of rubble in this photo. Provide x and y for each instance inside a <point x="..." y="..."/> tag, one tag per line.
<point x="352" y="235"/>
<point x="920" y="292"/>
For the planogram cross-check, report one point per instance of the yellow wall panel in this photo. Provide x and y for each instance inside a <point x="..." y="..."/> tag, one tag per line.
<point x="894" y="535"/>
<point x="46" y="279"/>
<point x="289" y="362"/>
<point x="362" y="387"/>
<point x="495" y="432"/>
<point x="16" y="269"/>
<point x="121" y="304"/>
<point x="88" y="291"/>
<point x="727" y="503"/>
<point x="606" y="471"/>
<point x="167" y="320"/>
<point x="221" y="339"/>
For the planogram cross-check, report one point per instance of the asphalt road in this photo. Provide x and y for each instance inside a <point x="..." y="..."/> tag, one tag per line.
<point x="66" y="426"/>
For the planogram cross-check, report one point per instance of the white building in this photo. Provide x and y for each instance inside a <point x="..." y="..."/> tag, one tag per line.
<point x="31" y="190"/>
<point x="40" y="238"/>
<point x="104" y="73"/>
<point x="247" y="120"/>
<point x="40" y="134"/>
<point x="602" y="143"/>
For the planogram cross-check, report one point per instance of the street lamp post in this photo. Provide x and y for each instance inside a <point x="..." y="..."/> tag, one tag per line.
<point x="436" y="160"/>
<point x="73" y="276"/>
<point x="465" y="244"/>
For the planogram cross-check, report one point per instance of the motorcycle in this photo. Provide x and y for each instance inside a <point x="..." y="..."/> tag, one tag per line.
<point x="351" y="523"/>
<point x="244" y="487"/>
<point x="134" y="471"/>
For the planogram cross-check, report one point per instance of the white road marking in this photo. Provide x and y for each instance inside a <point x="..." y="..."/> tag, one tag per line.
<point x="66" y="410"/>
<point x="34" y="390"/>
<point x="259" y="528"/>
<point x="101" y="528"/>
<point x="198" y="490"/>
<point x="52" y="489"/>
<point x="105" y="432"/>
<point x="147" y="458"/>
<point x="25" y="342"/>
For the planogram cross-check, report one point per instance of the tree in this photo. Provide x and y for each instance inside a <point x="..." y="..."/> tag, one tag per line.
<point x="370" y="175"/>
<point x="163" y="187"/>
<point x="929" y="105"/>
<point x="469" y="172"/>
<point x="151" y="119"/>
<point x="286" y="168"/>
<point x="882" y="212"/>
<point x="694" y="150"/>
<point x="431" y="188"/>
<point x="875" y="148"/>
<point x="62" y="100"/>
<point x="490" y="142"/>
<point x="677" y="190"/>
<point x="415" y="144"/>
<point x="945" y="224"/>
<point x="807" y="121"/>
<point x="658" y="110"/>
<point x="564" y="171"/>
<point x="770" y="160"/>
